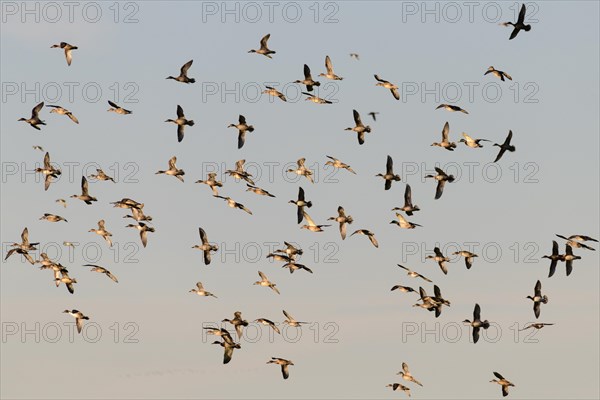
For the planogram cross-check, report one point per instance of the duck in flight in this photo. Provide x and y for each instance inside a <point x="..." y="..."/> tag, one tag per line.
<point x="242" y="128"/>
<point x="342" y="219"/>
<point x="502" y="382"/>
<point x="52" y="218"/>
<point x="373" y="115"/>
<point x="84" y="196"/>
<point x="468" y="257"/>
<point x="40" y="148"/>
<point x="264" y="49"/>
<point x="269" y="323"/>
<point x="100" y="175"/>
<point x="571" y="241"/>
<point x="144" y="229"/>
<point x="257" y="190"/>
<point x="316" y="99"/>
<point x="238" y="322"/>
<point x="310" y="224"/>
<point x="291" y="321"/>
<point x="228" y="344"/>
<point x="389" y="175"/>
<point x="388" y="85"/>
<point x="62" y="202"/>
<point x="477" y="323"/>
<point x="569" y="257"/>
<point x="470" y="142"/>
<point x="63" y="111"/>
<point x="450" y="107"/>
<point x="403" y="223"/>
<point x="294" y="266"/>
<point x="396" y="386"/>
<point x="538" y="299"/>
<point x="239" y="173"/>
<point x="103" y="232"/>
<point x="118" y="109"/>
<point x="368" y="234"/>
<point x="408" y="208"/>
<point x="200" y="291"/>
<point x="440" y="259"/>
<point x="79" y="317"/>
<point x="102" y="270"/>
<point x="181" y="122"/>
<point x="205" y="247"/>
<point x="265" y="282"/>
<point x="35" y="120"/>
<point x="66" y="279"/>
<point x="330" y="74"/>
<point x="355" y="56"/>
<point x="308" y="81"/>
<point x="497" y="73"/>
<point x="520" y="24"/>
<point x="359" y="128"/>
<point x="67" y="48"/>
<point x="233" y="204"/>
<point x="554" y="258"/>
<point x="335" y="163"/>
<point x="212" y="182"/>
<point x="300" y="204"/>
<point x="271" y="91"/>
<point x="23" y="248"/>
<point x="536" y="325"/>
<point x="284" y="365"/>
<point x="441" y="177"/>
<point x="183" y="78"/>
<point x="48" y="171"/>
<point x="445" y="143"/>
<point x="407" y="376"/>
<point x="414" y="274"/>
<point x="403" y="289"/>
<point x="505" y="146"/>
<point x="138" y="215"/>
<point x="173" y="170"/>
<point x="302" y="170"/>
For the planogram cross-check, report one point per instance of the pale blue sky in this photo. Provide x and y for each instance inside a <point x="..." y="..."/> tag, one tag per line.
<point x="556" y="140"/>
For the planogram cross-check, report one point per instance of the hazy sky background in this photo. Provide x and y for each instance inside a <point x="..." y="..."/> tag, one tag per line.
<point x="549" y="185"/>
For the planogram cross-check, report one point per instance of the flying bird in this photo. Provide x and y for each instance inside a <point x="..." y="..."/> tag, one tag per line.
<point x="505" y="146"/>
<point x="67" y="48"/>
<point x="359" y="128"/>
<point x="181" y="122"/>
<point x="388" y="85"/>
<point x="35" y="120"/>
<point x="520" y="24"/>
<point x="205" y="247"/>
<point x="183" y="78"/>
<point x="264" y="49"/>
<point x="242" y="128"/>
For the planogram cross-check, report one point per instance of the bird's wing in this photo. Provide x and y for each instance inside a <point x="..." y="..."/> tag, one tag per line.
<point x="185" y="67"/>
<point x="328" y="65"/>
<point x="180" y="112"/>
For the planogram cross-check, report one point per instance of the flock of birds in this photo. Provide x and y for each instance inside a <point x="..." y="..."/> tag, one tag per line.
<point x="289" y="253"/>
